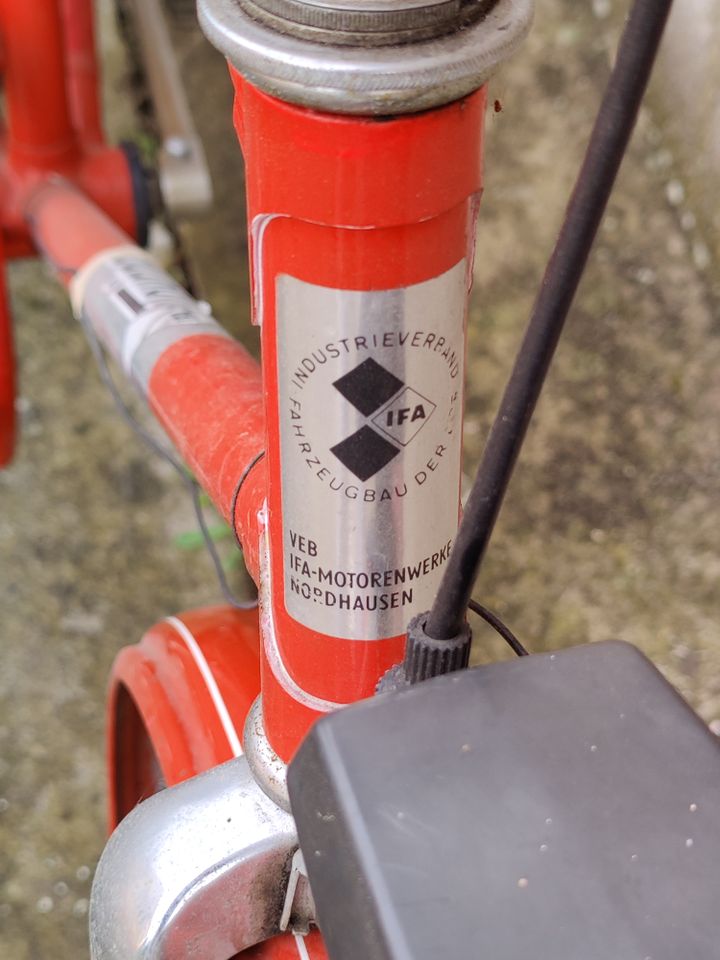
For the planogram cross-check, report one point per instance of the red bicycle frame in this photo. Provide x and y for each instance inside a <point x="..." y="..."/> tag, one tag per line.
<point x="337" y="462"/>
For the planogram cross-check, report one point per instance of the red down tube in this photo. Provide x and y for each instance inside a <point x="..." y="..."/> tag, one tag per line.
<point x="203" y="386"/>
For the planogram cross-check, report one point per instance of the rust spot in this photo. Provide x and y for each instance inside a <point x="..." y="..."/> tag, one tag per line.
<point x="497" y="106"/>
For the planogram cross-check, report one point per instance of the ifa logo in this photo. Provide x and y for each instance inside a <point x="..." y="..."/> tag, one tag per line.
<point x="405" y="416"/>
<point x="395" y="413"/>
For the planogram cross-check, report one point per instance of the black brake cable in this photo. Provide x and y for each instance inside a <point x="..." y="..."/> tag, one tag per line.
<point x="609" y="139"/>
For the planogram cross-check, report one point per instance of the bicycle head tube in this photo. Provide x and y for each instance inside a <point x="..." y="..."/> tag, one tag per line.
<point x="361" y="124"/>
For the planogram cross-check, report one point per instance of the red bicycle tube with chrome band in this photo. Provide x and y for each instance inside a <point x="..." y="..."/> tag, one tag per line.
<point x="362" y="233"/>
<point x="203" y="386"/>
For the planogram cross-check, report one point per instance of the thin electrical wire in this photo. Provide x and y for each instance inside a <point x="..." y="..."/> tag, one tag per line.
<point x="191" y="485"/>
<point x="499" y="627"/>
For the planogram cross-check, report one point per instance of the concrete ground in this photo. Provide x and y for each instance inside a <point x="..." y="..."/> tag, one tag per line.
<point x="611" y="528"/>
<point x="689" y="68"/>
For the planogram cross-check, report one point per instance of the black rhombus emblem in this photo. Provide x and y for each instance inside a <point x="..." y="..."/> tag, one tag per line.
<point x="365" y="452"/>
<point x="369" y="387"/>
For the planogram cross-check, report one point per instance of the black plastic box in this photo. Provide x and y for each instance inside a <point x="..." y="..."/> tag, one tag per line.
<point x="557" y="807"/>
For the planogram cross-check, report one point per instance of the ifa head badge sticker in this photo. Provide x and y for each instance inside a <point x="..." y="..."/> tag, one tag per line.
<point x="395" y="414"/>
<point x="370" y="399"/>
